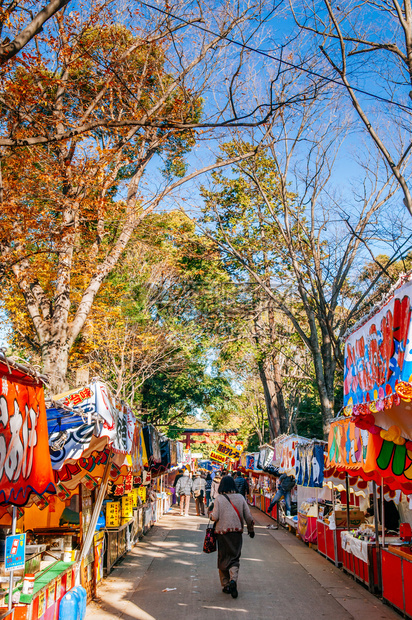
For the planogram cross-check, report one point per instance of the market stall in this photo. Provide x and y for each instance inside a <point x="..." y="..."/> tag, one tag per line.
<point x="27" y="475"/>
<point x="360" y="541"/>
<point x="332" y="517"/>
<point x="90" y="452"/>
<point x="309" y="481"/>
<point x="378" y="392"/>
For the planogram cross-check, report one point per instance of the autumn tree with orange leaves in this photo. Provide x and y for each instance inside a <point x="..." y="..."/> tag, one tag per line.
<point x="85" y="110"/>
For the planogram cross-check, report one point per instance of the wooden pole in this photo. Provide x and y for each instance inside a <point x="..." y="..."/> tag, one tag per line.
<point x="382" y="515"/>
<point x="376" y="515"/>
<point x="347" y="500"/>
<point x="335" y="536"/>
<point x="13" y="532"/>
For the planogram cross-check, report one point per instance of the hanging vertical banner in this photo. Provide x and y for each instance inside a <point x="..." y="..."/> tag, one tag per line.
<point x="284" y="456"/>
<point x="378" y="354"/>
<point x="309" y="464"/>
<point x="25" y="464"/>
<point x="347" y="446"/>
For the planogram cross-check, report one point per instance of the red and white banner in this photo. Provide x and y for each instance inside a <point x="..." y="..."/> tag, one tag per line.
<point x="25" y="465"/>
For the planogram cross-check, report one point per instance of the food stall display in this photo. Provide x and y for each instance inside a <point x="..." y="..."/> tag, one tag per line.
<point x="332" y="517"/>
<point x="360" y="555"/>
<point x="377" y="395"/>
<point x="89" y="449"/>
<point x="348" y="452"/>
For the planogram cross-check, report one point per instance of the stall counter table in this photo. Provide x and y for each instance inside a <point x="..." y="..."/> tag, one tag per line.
<point x="397" y="577"/>
<point x="50" y="585"/>
<point x="116" y="545"/>
<point x="307" y="528"/>
<point x="360" y="560"/>
<point x="326" y="543"/>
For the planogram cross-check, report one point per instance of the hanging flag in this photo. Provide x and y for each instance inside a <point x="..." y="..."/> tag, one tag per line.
<point x="25" y="465"/>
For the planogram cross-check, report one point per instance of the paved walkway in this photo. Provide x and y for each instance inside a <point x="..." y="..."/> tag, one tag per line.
<point x="279" y="578"/>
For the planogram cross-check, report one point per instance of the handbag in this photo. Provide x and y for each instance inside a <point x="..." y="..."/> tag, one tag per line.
<point x="209" y="544"/>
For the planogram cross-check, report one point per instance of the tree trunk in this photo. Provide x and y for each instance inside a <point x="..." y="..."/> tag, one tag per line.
<point x="274" y="400"/>
<point x="55" y="357"/>
<point x="325" y="383"/>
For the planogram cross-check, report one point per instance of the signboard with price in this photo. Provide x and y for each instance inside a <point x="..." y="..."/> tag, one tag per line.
<point x="15" y="552"/>
<point x="216" y="456"/>
<point x="112" y="514"/>
<point x="127" y="506"/>
<point x="231" y="452"/>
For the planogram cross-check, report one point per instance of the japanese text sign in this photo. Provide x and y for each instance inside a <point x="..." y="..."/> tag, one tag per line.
<point x="25" y="464"/>
<point x="15" y="552"/>
<point x="216" y="456"/>
<point x="112" y="514"/>
<point x="230" y="452"/>
<point x="127" y="506"/>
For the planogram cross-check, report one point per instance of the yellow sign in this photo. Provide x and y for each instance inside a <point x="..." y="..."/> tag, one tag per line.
<point x="231" y="452"/>
<point x="216" y="456"/>
<point x="50" y="595"/>
<point x="112" y="514"/>
<point x="69" y="581"/>
<point x="135" y="495"/>
<point x="127" y="506"/>
<point x="42" y="604"/>
<point x="142" y="493"/>
<point x="58" y="588"/>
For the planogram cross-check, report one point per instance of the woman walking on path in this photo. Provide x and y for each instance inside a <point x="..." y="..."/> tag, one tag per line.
<point x="230" y="511"/>
<point x="184" y="490"/>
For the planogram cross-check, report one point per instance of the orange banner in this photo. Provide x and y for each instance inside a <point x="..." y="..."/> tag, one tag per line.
<point x="25" y="465"/>
<point x="370" y="456"/>
<point x="390" y="461"/>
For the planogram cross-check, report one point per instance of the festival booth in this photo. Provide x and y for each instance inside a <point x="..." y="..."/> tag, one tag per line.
<point x="83" y="486"/>
<point x="349" y="452"/>
<point x="26" y="475"/>
<point x="92" y="448"/>
<point x="262" y="481"/>
<point x="378" y="394"/>
<point x="309" y="480"/>
<point x="332" y="519"/>
<point x="285" y="460"/>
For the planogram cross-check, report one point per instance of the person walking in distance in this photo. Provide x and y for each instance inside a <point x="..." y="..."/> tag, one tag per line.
<point x="215" y="486"/>
<point x="198" y="490"/>
<point x="184" y="491"/>
<point x="285" y="485"/>
<point x="241" y="483"/>
<point x="230" y="511"/>
<point x="208" y="487"/>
